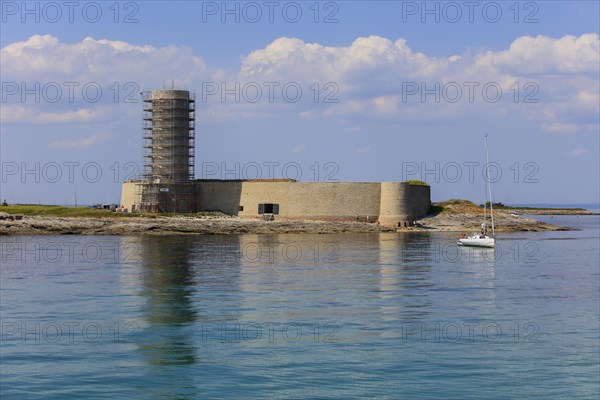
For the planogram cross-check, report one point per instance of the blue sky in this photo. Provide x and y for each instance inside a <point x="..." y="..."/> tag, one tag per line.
<point x="390" y="90"/>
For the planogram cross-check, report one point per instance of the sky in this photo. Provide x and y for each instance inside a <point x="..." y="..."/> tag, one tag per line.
<point x="316" y="91"/>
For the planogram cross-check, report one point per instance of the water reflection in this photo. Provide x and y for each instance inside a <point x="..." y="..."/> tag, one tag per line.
<point x="168" y="288"/>
<point x="383" y="291"/>
<point x="284" y="277"/>
<point x="405" y="269"/>
<point x="480" y="263"/>
<point x="216" y="268"/>
<point x="309" y="279"/>
<point x="191" y="282"/>
<point x="467" y="272"/>
<point x="369" y="285"/>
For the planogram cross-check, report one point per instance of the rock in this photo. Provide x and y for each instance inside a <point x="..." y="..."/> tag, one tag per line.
<point x="461" y="216"/>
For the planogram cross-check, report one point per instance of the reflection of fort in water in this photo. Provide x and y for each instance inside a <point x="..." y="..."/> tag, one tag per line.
<point x="168" y="287"/>
<point x="381" y="270"/>
<point x="405" y="270"/>
<point x="188" y="282"/>
<point x="179" y="274"/>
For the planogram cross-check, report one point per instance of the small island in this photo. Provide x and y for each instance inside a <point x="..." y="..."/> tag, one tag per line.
<point x="465" y="216"/>
<point x="449" y="216"/>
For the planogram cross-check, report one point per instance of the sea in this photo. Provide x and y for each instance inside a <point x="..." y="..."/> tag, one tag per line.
<point x="323" y="316"/>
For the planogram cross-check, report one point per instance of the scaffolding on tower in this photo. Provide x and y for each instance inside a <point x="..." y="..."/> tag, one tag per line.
<point x="168" y="126"/>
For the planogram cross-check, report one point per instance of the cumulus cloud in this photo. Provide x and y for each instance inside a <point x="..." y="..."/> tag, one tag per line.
<point x="371" y="74"/>
<point x="289" y="58"/>
<point x="553" y="80"/>
<point x="371" y="61"/>
<point x="91" y="60"/>
<point x="542" y="54"/>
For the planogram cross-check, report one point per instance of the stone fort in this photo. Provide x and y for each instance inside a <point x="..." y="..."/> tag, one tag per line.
<point x="168" y="183"/>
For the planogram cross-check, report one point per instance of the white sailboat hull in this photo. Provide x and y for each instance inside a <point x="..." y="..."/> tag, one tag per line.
<point x="477" y="242"/>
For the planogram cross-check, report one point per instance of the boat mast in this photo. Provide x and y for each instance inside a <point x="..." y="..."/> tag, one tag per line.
<point x="484" y="225"/>
<point x="489" y="184"/>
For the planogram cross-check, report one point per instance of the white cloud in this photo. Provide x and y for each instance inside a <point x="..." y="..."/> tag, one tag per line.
<point x="369" y="72"/>
<point x="307" y="114"/>
<point x="386" y="104"/>
<point x="559" y="127"/>
<point x="293" y="59"/>
<point x="30" y="114"/>
<point x="46" y="58"/>
<point x="299" y="149"/>
<point x="538" y="76"/>
<point x="588" y="99"/>
<point x="352" y="129"/>
<point x="79" y="143"/>
<point x="577" y="152"/>
<point x="542" y="54"/>
<point x="377" y="60"/>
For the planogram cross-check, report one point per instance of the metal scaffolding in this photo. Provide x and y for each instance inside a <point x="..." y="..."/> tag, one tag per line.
<point x="169" y="150"/>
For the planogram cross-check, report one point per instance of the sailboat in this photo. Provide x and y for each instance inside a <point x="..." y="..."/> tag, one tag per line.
<point x="482" y="239"/>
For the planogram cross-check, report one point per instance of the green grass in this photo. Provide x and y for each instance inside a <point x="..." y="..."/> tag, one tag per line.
<point x="437" y="208"/>
<point x="417" y="182"/>
<point x="57" y="211"/>
<point x="86" y="212"/>
<point x="454" y="202"/>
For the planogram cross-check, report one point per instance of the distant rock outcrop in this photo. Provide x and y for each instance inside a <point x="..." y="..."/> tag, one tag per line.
<point x="463" y="215"/>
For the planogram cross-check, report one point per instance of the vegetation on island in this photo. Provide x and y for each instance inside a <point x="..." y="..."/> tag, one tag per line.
<point x="417" y="182"/>
<point x="456" y="206"/>
<point x="451" y="206"/>
<point x="88" y="212"/>
<point x="501" y="206"/>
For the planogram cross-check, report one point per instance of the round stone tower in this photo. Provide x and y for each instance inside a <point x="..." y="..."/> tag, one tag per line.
<point x="395" y="208"/>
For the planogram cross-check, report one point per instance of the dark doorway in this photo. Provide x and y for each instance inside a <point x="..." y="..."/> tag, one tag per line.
<point x="268" y="208"/>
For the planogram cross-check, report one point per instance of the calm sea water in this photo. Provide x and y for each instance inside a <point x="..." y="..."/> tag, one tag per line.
<point x="301" y="316"/>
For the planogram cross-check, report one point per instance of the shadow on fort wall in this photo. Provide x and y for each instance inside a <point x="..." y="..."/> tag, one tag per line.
<point x="214" y="195"/>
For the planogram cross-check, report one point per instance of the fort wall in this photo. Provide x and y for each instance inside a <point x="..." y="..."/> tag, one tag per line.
<point x="131" y="195"/>
<point x="295" y="200"/>
<point x="394" y="204"/>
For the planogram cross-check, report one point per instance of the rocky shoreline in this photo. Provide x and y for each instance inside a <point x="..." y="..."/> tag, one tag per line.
<point x="504" y="222"/>
<point x="461" y="217"/>
<point x="35" y="225"/>
<point x="464" y="216"/>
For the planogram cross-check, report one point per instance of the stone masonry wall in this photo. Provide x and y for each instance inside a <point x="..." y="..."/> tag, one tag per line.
<point x="391" y="203"/>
